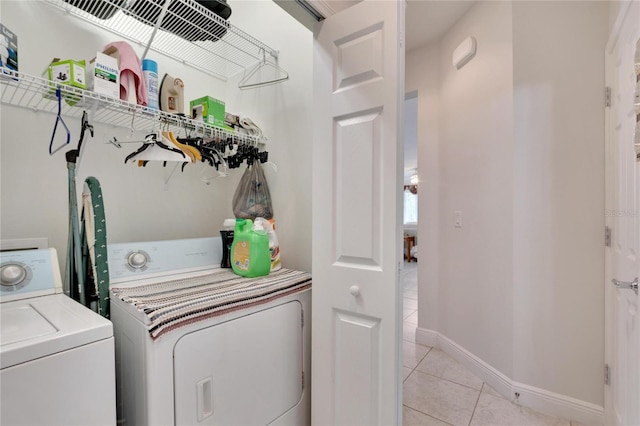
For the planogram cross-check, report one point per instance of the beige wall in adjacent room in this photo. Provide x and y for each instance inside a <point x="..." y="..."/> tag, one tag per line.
<point x="559" y="196"/>
<point x="514" y="140"/>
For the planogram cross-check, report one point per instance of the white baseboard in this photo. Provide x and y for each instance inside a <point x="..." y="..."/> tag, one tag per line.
<point x="559" y="405"/>
<point x="486" y="372"/>
<point x="426" y="337"/>
<point x="529" y="396"/>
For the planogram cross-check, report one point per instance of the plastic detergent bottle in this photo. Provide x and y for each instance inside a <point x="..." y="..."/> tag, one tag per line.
<point x="250" y="255"/>
<point x="274" y="248"/>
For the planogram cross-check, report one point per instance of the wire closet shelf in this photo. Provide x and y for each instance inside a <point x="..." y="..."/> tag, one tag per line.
<point x="181" y="29"/>
<point x="39" y="94"/>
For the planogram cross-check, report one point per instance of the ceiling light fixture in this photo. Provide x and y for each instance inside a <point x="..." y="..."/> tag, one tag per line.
<point x="413" y="180"/>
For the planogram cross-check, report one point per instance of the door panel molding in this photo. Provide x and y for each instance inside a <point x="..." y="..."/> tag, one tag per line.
<point x="360" y="58"/>
<point x="357" y="374"/>
<point x="357" y="140"/>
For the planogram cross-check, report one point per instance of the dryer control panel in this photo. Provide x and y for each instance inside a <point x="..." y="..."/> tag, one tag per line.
<point x="150" y="259"/>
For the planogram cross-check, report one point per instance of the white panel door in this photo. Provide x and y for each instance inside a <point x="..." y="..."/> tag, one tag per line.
<point x="622" y="353"/>
<point x="357" y="215"/>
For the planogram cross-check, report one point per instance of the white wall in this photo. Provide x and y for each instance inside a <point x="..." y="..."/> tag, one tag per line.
<point x="284" y="113"/>
<point x="138" y="204"/>
<point x="559" y="196"/>
<point x="476" y="129"/>
<point x="515" y="141"/>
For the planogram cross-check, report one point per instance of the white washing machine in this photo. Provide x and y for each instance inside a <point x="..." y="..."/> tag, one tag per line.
<point x="56" y="356"/>
<point x="196" y="344"/>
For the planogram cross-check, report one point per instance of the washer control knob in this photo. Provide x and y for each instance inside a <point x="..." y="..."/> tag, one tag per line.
<point x="137" y="260"/>
<point x="12" y="274"/>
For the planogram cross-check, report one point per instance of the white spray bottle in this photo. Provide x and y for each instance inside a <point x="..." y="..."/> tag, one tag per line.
<point x="274" y="247"/>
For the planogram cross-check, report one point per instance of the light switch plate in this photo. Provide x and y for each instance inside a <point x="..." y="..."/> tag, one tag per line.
<point x="457" y="219"/>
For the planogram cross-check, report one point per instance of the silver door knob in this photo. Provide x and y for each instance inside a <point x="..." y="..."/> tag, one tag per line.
<point x="633" y="285"/>
<point x="354" y="290"/>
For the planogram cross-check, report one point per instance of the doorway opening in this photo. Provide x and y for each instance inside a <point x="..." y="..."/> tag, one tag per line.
<point x="410" y="222"/>
<point x="410" y="217"/>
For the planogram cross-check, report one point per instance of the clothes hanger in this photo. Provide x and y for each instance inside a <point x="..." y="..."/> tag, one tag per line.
<point x="230" y="149"/>
<point x="197" y="144"/>
<point x="55" y="126"/>
<point x="156" y="150"/>
<point x="193" y="153"/>
<point x="189" y="150"/>
<point x="131" y="135"/>
<point x="248" y="82"/>
<point x="77" y="153"/>
<point x="149" y="140"/>
<point x="169" y="139"/>
<point x="167" y="144"/>
<point x="219" y="159"/>
<point x="222" y="162"/>
<point x="273" y="165"/>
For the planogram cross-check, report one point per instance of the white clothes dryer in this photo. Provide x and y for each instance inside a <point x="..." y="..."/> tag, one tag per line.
<point x="196" y="344"/>
<point x="56" y="356"/>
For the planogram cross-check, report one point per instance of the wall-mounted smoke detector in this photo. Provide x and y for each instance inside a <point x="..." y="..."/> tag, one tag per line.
<point x="464" y="52"/>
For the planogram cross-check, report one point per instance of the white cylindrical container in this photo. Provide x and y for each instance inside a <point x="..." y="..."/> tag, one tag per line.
<point x="274" y="248"/>
<point x="150" y="72"/>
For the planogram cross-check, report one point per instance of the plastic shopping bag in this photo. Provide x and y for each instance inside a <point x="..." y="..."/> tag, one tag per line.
<point x="252" y="198"/>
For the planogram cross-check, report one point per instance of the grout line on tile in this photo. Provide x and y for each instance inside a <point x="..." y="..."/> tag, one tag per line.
<point x="425" y="355"/>
<point x="414" y="368"/>
<point x="428" y="415"/>
<point x="408" y="315"/>
<point x="476" y="406"/>
<point x="447" y="380"/>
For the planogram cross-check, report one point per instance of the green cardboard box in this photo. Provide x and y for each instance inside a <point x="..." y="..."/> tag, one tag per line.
<point x="208" y="110"/>
<point x="67" y="72"/>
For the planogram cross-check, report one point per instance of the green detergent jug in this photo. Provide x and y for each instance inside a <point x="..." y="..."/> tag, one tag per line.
<point x="250" y="256"/>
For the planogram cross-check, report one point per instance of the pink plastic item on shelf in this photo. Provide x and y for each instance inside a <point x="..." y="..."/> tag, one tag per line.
<point x="130" y="70"/>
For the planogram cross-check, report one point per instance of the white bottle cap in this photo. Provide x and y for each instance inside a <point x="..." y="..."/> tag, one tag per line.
<point x="258" y="226"/>
<point x="229" y="223"/>
<point x="264" y="223"/>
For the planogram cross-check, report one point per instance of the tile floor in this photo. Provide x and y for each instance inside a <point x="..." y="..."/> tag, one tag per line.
<point x="439" y="391"/>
